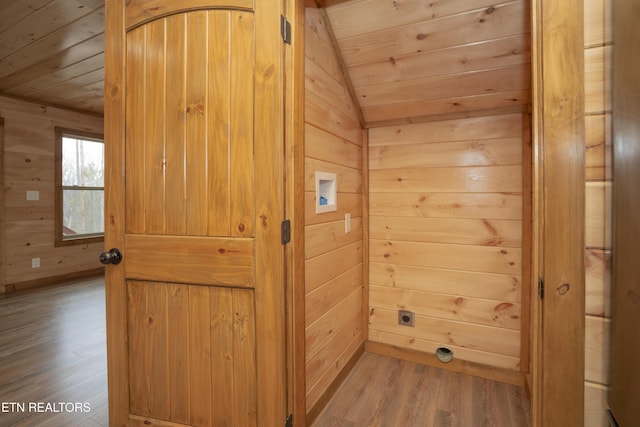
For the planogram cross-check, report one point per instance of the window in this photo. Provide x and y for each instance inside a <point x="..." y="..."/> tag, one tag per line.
<point x="79" y="187"/>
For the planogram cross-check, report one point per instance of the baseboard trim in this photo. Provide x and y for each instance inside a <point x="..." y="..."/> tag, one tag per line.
<point x="313" y="413"/>
<point x="48" y="281"/>
<point x="465" y="367"/>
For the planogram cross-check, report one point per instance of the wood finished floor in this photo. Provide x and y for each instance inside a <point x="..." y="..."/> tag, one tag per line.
<point x="52" y="349"/>
<point x="386" y="392"/>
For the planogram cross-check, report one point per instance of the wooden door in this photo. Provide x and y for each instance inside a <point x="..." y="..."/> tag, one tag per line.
<point x="194" y="146"/>
<point x="624" y="394"/>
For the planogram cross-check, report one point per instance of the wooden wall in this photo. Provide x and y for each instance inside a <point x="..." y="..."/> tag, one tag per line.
<point x="597" y="58"/>
<point x="334" y="259"/>
<point x="446" y="236"/>
<point x="28" y="230"/>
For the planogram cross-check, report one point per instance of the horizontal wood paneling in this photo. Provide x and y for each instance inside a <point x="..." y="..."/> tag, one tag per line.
<point x="334" y="285"/>
<point x="447" y="205"/>
<point x="328" y="236"/>
<point x="448" y="332"/>
<point x="597" y="69"/>
<point x="506" y="79"/>
<point x="598" y="214"/>
<point x="503" y="126"/>
<point x="478" y="179"/>
<point x="597" y="349"/>
<point x="346" y="203"/>
<point x="320" y="332"/>
<point x="29" y="225"/>
<point x="471" y="310"/>
<point x="598" y="282"/>
<point x="446" y="236"/>
<point x="486" y="259"/>
<point x="595" y="403"/>
<point x="350" y="179"/>
<point x="427" y="350"/>
<point x="598" y="147"/>
<point x="498" y="287"/>
<point x="598" y="30"/>
<point x="322" y="268"/>
<point x="448" y="230"/>
<point x="337" y="369"/>
<point x="489" y="152"/>
<point x="597" y="22"/>
<point x="322" y="145"/>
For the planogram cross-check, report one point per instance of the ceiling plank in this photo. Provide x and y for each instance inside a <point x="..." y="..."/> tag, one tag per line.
<point x="498" y="53"/>
<point x="63" y="38"/>
<point x="475" y="26"/>
<point x="382" y="15"/>
<point x="55" y="15"/>
<point x="15" y="11"/>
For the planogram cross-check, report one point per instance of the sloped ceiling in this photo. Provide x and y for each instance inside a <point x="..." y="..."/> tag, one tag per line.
<point x="406" y="59"/>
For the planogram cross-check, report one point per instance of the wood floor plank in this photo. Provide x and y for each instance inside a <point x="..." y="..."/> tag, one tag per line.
<point x="385" y="392"/>
<point x="52" y="349"/>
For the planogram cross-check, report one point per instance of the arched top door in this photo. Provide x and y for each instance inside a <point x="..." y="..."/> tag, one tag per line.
<point x="193" y="131"/>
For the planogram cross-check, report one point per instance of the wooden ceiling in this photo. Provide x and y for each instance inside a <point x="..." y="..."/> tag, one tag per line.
<point x="413" y="58"/>
<point x="52" y="51"/>
<point x="406" y="59"/>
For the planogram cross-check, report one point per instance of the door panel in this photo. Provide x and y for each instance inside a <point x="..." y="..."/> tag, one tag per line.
<point x="191" y="353"/>
<point x="189" y="131"/>
<point x="215" y="260"/>
<point x="195" y="311"/>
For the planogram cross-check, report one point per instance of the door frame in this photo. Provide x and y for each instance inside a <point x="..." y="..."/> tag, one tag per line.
<point x="294" y="210"/>
<point x="557" y="363"/>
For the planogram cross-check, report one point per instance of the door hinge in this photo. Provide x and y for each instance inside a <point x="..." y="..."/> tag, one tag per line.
<point x="285" y="29"/>
<point x="285" y="229"/>
<point x="541" y="288"/>
<point x="289" y="421"/>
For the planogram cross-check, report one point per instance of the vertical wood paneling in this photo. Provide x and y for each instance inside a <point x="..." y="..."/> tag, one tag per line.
<point x="193" y="352"/>
<point x="244" y="345"/>
<point x="333" y="258"/>
<point x="222" y="323"/>
<point x="459" y="257"/>
<point x="201" y="384"/>
<point x="149" y="388"/>
<point x="196" y="142"/>
<point x="178" y="351"/>
<point x="154" y="126"/>
<point x="175" y="126"/>
<point x="219" y="117"/>
<point x="242" y="92"/>
<point x="134" y="129"/>
<point x="194" y="138"/>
